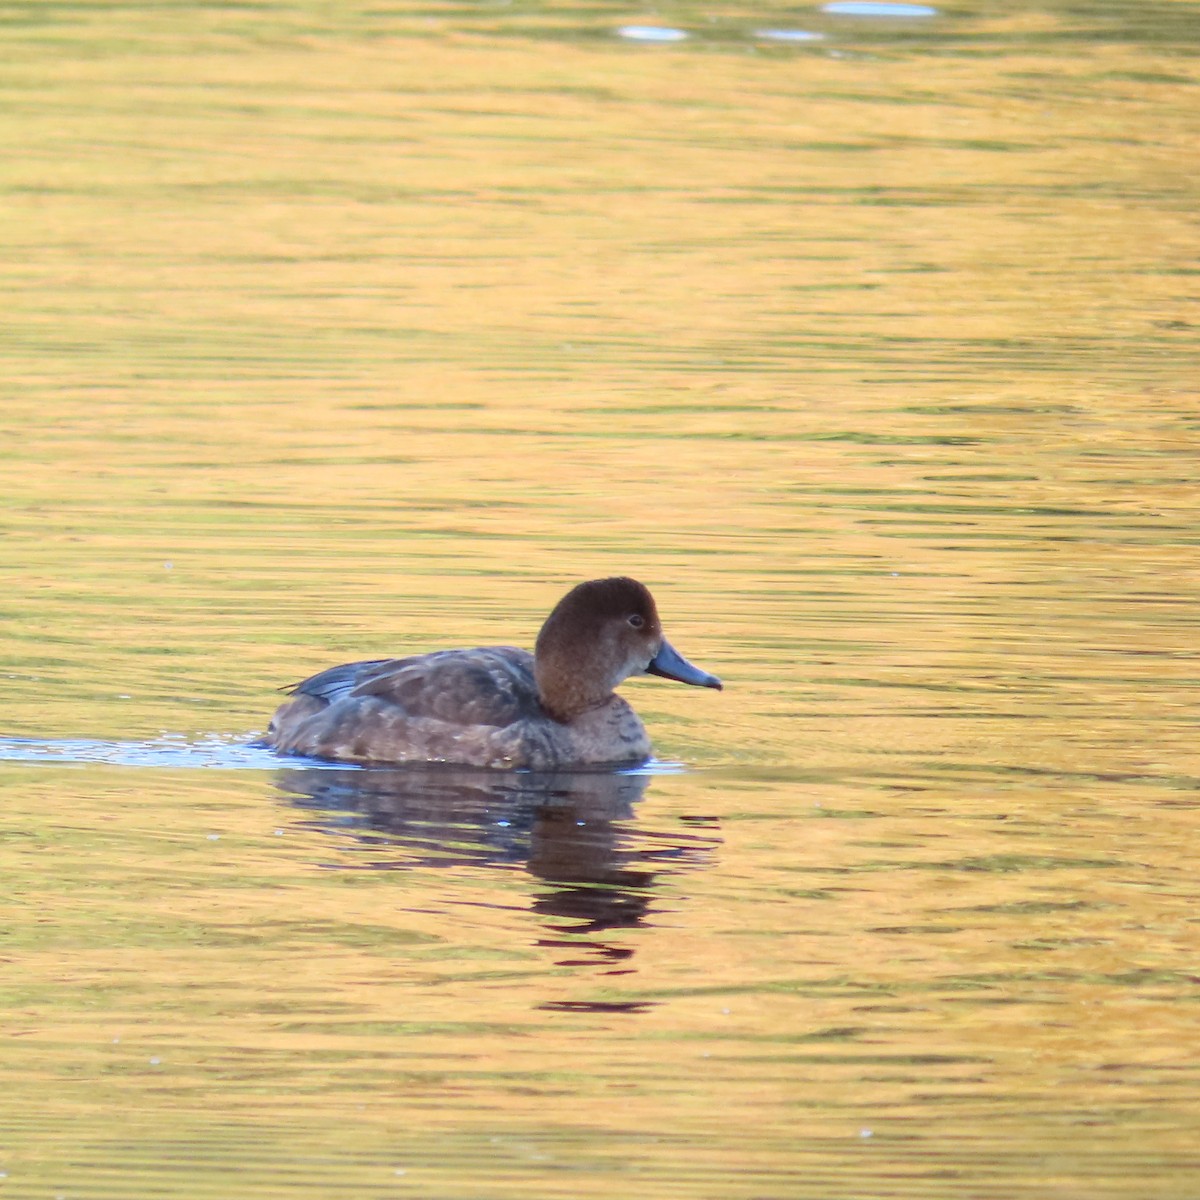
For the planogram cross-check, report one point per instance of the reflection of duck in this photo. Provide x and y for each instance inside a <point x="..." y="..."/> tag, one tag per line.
<point x="445" y="816"/>
<point x="568" y="827"/>
<point x="497" y="706"/>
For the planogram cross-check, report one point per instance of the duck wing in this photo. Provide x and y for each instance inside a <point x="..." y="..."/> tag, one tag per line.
<point x="492" y="685"/>
<point x="331" y="685"/>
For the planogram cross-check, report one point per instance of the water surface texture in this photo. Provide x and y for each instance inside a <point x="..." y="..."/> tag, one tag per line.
<point x="333" y="331"/>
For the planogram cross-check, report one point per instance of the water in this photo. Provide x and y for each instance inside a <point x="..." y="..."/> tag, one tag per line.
<point x="336" y="332"/>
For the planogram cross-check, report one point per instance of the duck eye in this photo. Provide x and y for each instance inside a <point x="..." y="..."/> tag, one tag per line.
<point x="637" y="620"/>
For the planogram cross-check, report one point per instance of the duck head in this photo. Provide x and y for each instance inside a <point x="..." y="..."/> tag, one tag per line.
<point x="599" y="634"/>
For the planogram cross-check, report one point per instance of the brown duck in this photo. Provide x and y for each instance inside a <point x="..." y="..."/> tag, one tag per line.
<point x="497" y="706"/>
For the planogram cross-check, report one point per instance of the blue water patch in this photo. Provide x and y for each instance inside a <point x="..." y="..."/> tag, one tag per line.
<point x="651" y="33"/>
<point x="789" y="35"/>
<point x="231" y="752"/>
<point x="226" y="753"/>
<point x="877" y="8"/>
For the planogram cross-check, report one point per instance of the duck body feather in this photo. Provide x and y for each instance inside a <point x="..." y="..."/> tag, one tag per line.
<point x="477" y="707"/>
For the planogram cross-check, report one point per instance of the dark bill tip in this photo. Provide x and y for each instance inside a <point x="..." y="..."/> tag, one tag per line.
<point x="670" y="664"/>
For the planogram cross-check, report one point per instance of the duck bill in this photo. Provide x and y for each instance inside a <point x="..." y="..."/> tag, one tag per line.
<point x="670" y="664"/>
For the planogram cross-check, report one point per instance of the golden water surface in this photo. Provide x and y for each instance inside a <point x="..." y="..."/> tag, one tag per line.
<point x="341" y="330"/>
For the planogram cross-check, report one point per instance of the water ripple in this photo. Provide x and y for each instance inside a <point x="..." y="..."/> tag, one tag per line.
<point x="221" y="751"/>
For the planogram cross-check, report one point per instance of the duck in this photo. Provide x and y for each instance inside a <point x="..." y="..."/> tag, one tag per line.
<point x="498" y="707"/>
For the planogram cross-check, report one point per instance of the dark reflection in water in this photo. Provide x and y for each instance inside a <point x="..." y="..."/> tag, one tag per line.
<point x="575" y="831"/>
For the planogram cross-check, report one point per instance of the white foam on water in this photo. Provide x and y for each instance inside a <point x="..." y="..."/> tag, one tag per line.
<point x="651" y="33"/>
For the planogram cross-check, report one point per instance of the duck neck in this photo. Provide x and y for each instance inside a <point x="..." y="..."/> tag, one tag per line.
<point x="565" y="699"/>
